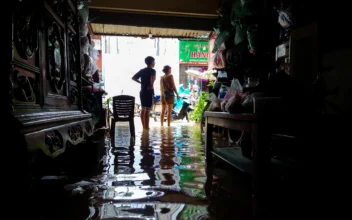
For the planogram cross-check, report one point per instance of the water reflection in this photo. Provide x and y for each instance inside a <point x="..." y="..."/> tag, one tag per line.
<point x="121" y="193"/>
<point x="159" y="176"/>
<point x="152" y="211"/>
<point x="165" y="165"/>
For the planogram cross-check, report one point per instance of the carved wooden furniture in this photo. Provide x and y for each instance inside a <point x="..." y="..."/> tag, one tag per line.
<point x="123" y="110"/>
<point x="46" y="79"/>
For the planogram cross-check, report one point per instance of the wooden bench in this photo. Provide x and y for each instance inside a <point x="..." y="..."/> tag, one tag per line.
<point x="258" y="167"/>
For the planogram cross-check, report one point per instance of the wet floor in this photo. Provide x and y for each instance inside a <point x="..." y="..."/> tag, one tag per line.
<point x="159" y="175"/>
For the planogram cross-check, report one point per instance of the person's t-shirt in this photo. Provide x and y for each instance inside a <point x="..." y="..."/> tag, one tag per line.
<point x="145" y="75"/>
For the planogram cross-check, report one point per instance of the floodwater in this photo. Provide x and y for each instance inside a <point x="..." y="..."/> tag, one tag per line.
<point x="160" y="175"/>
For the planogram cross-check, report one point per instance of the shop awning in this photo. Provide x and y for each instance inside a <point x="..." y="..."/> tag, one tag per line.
<point x="179" y="19"/>
<point x="124" y="30"/>
<point x="207" y="75"/>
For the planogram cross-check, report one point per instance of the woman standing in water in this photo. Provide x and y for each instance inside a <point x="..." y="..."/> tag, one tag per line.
<point x="167" y="91"/>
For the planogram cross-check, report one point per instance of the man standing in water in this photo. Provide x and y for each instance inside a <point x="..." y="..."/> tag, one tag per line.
<point x="147" y="78"/>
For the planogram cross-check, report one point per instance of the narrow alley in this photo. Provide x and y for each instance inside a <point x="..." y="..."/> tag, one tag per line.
<point x="257" y="94"/>
<point x="161" y="176"/>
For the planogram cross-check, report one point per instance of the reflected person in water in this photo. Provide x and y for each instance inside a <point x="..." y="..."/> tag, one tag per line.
<point x="167" y="149"/>
<point x="147" y="161"/>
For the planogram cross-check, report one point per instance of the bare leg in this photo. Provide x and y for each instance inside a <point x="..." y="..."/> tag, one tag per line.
<point x="163" y="109"/>
<point x="146" y="119"/>
<point x="143" y="116"/>
<point x="169" y="113"/>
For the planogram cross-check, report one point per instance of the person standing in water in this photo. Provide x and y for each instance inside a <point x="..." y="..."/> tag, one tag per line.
<point x="147" y="78"/>
<point x="167" y="91"/>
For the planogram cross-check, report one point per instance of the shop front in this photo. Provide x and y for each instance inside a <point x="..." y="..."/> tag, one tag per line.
<point x="194" y="67"/>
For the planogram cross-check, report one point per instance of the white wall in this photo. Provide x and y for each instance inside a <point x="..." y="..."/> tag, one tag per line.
<point x="119" y="68"/>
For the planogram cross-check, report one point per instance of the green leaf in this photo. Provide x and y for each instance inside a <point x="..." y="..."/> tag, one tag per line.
<point x="197" y="114"/>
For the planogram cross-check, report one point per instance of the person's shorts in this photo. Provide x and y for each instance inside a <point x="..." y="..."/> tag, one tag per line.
<point x="167" y="101"/>
<point x="147" y="98"/>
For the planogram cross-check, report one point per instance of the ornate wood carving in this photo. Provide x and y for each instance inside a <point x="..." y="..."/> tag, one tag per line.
<point x="57" y="6"/>
<point x="72" y="18"/>
<point x="88" y="67"/>
<point x="73" y="52"/>
<point x="25" y="72"/>
<point x="54" y="141"/>
<point x="8" y="88"/>
<point x="26" y="88"/>
<point x="88" y="127"/>
<point x="43" y="79"/>
<point x="74" y="2"/>
<point x="75" y="132"/>
<point x="56" y="50"/>
<point x="74" y="96"/>
<point x="91" y="105"/>
<point x="25" y="30"/>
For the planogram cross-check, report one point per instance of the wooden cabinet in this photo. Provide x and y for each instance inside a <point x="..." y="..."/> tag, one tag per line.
<point x="45" y="95"/>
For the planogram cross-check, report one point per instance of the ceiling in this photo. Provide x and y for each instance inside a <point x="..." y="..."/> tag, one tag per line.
<point x="197" y="8"/>
<point x="161" y="18"/>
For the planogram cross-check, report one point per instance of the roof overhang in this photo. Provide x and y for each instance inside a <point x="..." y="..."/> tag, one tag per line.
<point x="188" y="8"/>
<point x="134" y="31"/>
<point x="159" y="18"/>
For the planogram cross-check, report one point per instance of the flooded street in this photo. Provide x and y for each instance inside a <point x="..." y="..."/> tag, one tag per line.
<point x="159" y="175"/>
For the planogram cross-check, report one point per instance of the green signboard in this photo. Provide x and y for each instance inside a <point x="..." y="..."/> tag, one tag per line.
<point x="194" y="52"/>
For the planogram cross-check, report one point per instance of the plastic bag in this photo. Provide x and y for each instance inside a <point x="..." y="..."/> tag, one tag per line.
<point x="234" y="105"/>
<point x="215" y="106"/>
<point x="231" y="92"/>
<point x="223" y="105"/>
<point x="219" y="60"/>
<point x="236" y="85"/>
<point x="236" y="12"/>
<point x="221" y="39"/>
<point x="249" y="7"/>
<point x="285" y="20"/>
<point x="240" y="35"/>
<point x="211" y="97"/>
<point x="222" y="74"/>
<point x="252" y="36"/>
